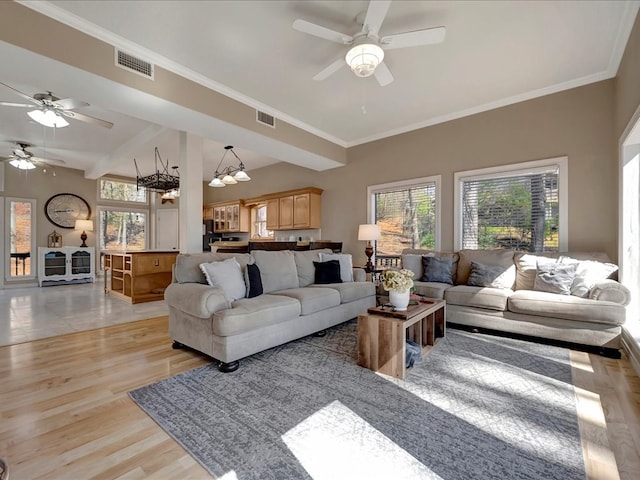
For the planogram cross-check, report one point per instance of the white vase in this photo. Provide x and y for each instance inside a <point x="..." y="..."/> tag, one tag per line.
<point x="399" y="300"/>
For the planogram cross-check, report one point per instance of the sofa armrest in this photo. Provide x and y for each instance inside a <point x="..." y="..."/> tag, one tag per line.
<point x="196" y="299"/>
<point x="359" y="274"/>
<point x="610" y="291"/>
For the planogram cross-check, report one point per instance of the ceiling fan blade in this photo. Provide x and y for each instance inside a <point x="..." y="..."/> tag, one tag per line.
<point x="48" y="161"/>
<point x="375" y="16"/>
<point x="330" y="69"/>
<point x="413" y="39"/>
<point x="69" y="104"/>
<point x="23" y="95"/>
<point x="383" y="74"/>
<point x="10" y="104"/>
<point x="86" y="118"/>
<point x="322" y="32"/>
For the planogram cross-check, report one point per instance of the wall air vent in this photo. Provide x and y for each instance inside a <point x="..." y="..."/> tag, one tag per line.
<point x="134" y="64"/>
<point x="265" y="119"/>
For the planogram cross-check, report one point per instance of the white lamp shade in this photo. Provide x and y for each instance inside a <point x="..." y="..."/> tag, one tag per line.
<point x="86" y="225"/>
<point x="369" y="231"/>
<point x="48" y="118"/>
<point x="216" y="182"/>
<point x="364" y="58"/>
<point x="229" y="180"/>
<point x="242" y="176"/>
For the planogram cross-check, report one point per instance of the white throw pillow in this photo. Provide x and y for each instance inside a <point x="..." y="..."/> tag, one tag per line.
<point x="226" y="275"/>
<point x="346" y="264"/>
<point x="588" y="273"/>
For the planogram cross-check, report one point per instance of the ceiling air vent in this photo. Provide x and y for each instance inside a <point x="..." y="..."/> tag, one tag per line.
<point x="265" y="119"/>
<point x="134" y="64"/>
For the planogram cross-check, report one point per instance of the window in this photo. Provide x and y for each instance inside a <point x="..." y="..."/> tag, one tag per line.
<point x="522" y="207"/>
<point x="407" y="213"/>
<point x="122" y="219"/>
<point x="259" y="226"/>
<point x="121" y="191"/>
<point x="21" y="237"/>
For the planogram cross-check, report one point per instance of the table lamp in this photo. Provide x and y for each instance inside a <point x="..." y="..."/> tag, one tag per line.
<point x="85" y="226"/>
<point x="369" y="232"/>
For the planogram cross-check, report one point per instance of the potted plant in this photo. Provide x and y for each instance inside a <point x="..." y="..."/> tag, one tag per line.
<point x="398" y="283"/>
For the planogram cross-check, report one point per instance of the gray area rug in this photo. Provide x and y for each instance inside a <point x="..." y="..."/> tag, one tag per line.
<point x="477" y="407"/>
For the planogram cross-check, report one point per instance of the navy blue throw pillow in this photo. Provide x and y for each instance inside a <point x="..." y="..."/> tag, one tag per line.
<point x="327" y="272"/>
<point x="437" y="269"/>
<point x="253" y="281"/>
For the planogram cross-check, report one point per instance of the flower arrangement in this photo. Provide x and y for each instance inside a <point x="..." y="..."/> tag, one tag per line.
<point x="398" y="280"/>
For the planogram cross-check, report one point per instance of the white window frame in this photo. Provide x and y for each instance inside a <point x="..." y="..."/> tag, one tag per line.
<point x="7" y="240"/>
<point x="407" y="184"/>
<point x="509" y="171"/>
<point x="124" y="207"/>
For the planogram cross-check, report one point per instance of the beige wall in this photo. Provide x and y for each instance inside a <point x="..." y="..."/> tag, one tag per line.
<point x="576" y="123"/>
<point x="34" y="184"/>
<point x="627" y="83"/>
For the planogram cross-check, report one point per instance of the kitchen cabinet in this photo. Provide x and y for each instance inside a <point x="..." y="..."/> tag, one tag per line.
<point x="63" y="265"/>
<point x="295" y="210"/>
<point x="140" y="276"/>
<point x="229" y="217"/>
<point x="207" y="212"/>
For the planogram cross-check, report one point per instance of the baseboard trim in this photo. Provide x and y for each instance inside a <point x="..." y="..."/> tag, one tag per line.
<point x="632" y="349"/>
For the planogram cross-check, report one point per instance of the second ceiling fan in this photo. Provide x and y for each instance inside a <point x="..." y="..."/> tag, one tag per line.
<point x="366" y="55"/>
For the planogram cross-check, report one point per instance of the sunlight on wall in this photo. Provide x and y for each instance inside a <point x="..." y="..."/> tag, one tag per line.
<point x="630" y="255"/>
<point x="336" y="443"/>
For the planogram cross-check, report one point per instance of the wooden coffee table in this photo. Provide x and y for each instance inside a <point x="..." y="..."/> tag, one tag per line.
<point x="382" y="334"/>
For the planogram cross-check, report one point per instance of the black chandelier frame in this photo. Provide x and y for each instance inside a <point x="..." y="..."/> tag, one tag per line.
<point x="162" y="181"/>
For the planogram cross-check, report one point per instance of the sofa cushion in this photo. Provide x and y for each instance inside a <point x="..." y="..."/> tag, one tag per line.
<point x="251" y="313"/>
<point x="304" y="265"/>
<point x="226" y="275"/>
<point x="277" y="269"/>
<point x="437" y="269"/>
<point x="499" y="256"/>
<point x="494" y="276"/>
<point x="312" y="300"/>
<point x="555" y="277"/>
<point x="187" y="267"/>
<point x="482" y="297"/>
<point x="568" y="307"/>
<point x="346" y="264"/>
<point x="352" y="291"/>
<point x="431" y="289"/>
<point x="588" y="273"/>
<point x="527" y="267"/>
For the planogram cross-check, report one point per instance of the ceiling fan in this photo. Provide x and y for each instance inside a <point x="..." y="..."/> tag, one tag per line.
<point x="51" y="110"/>
<point x="365" y="57"/>
<point x="23" y="159"/>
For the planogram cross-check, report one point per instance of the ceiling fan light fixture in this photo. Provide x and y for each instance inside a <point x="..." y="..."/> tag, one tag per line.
<point x="48" y="118"/>
<point x="22" y="164"/>
<point x="364" y="58"/>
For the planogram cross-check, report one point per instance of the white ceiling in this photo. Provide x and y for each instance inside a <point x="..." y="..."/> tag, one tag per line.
<point x="495" y="53"/>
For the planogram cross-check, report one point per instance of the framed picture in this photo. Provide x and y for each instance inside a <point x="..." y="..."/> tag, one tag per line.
<point x="54" y="240"/>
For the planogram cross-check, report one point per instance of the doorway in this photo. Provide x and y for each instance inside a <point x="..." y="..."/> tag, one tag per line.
<point x="167" y="229"/>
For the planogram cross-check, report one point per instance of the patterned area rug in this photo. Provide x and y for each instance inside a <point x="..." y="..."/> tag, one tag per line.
<point x="477" y="407"/>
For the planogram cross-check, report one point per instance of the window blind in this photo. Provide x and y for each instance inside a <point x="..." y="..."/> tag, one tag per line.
<point x="407" y="218"/>
<point x="518" y="210"/>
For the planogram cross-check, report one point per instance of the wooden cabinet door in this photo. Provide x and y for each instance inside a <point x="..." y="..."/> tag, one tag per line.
<point x="301" y="211"/>
<point x="285" y="219"/>
<point x="273" y="213"/>
<point x="220" y="219"/>
<point x="233" y="216"/>
<point x="207" y="213"/>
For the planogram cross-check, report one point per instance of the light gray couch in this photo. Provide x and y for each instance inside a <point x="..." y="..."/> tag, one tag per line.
<point x="291" y="307"/>
<point x="594" y="319"/>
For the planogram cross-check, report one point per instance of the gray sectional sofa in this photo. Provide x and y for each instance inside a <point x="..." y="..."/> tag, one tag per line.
<point x="291" y="305"/>
<point x="505" y="291"/>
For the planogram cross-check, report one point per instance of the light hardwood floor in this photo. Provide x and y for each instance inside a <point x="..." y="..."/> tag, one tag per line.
<point x="65" y="413"/>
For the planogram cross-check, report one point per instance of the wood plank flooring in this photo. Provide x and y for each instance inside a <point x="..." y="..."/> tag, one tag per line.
<point x="65" y="413"/>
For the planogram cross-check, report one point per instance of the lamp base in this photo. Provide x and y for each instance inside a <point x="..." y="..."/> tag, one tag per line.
<point x="83" y="237"/>
<point x="368" y="251"/>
